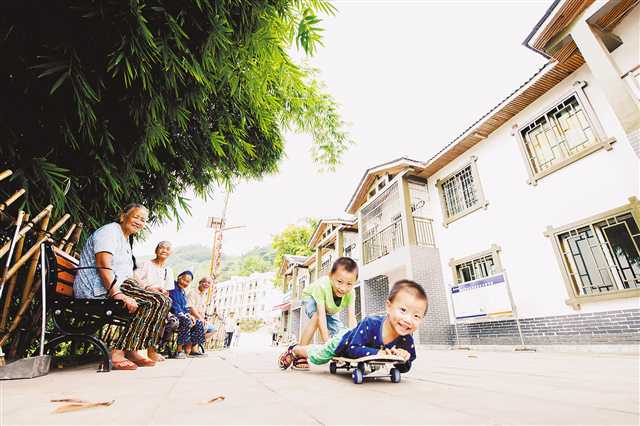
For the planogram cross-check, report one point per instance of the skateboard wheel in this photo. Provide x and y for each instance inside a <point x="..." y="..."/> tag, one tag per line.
<point x="333" y="368"/>
<point x="395" y="375"/>
<point x="358" y="377"/>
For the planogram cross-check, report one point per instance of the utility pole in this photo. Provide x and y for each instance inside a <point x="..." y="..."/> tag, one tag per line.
<point x="218" y="225"/>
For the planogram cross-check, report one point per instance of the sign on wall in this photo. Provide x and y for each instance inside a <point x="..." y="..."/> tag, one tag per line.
<point x="482" y="298"/>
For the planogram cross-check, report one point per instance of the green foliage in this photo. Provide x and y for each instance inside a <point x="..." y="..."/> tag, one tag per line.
<point x="197" y="258"/>
<point x="113" y="101"/>
<point x="292" y="240"/>
<point x="258" y="259"/>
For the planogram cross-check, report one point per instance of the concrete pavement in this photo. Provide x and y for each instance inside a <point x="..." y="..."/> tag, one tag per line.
<point x="444" y="387"/>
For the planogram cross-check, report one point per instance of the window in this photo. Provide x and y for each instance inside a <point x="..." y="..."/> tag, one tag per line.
<point x="461" y="193"/>
<point x="563" y="134"/>
<point x="600" y="256"/>
<point x="477" y="268"/>
<point x="479" y="265"/>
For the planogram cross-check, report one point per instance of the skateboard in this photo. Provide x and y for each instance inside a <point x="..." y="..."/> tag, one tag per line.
<point x="368" y="367"/>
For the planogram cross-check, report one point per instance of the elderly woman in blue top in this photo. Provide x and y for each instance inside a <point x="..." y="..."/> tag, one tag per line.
<point x="190" y="329"/>
<point x="109" y="261"/>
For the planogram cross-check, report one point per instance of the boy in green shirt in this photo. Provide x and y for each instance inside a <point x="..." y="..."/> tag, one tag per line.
<point x="325" y="299"/>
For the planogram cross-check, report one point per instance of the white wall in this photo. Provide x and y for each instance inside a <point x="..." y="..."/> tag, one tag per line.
<point x="518" y="213"/>
<point x="399" y="258"/>
<point x="627" y="56"/>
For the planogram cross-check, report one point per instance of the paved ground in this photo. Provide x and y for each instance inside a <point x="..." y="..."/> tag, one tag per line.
<point x="445" y="387"/>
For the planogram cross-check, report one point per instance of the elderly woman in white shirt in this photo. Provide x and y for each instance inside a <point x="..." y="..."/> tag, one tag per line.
<point x="156" y="275"/>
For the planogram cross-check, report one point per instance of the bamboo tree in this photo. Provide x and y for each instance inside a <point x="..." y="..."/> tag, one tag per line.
<point x="155" y="97"/>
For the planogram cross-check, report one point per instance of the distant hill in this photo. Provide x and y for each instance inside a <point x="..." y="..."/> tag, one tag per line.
<point x="197" y="258"/>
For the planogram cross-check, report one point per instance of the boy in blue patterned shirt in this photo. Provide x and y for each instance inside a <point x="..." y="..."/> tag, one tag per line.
<point x="388" y="334"/>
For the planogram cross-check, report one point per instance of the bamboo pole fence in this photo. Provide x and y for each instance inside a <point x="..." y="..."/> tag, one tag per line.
<point x="11" y="284"/>
<point x="45" y="212"/>
<point x="35" y="287"/>
<point x="6" y="203"/>
<point x="5" y="174"/>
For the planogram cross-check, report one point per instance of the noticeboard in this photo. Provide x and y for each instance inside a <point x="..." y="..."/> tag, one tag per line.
<point x="483" y="298"/>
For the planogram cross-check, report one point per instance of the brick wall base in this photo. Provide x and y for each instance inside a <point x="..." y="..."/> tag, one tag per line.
<point x="611" y="327"/>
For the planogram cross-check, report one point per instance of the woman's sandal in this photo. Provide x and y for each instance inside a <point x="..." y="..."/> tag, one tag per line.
<point x="125" y="364"/>
<point x="157" y="358"/>
<point x="287" y="358"/>
<point x="300" y="364"/>
<point x="143" y="362"/>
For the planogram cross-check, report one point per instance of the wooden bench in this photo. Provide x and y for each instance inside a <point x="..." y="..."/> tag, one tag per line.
<point x="78" y="320"/>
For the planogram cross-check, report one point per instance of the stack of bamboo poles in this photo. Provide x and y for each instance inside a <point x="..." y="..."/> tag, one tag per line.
<point x="19" y="285"/>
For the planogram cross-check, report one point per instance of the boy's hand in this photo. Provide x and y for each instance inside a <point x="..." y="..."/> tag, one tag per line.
<point x="383" y="352"/>
<point x="401" y="353"/>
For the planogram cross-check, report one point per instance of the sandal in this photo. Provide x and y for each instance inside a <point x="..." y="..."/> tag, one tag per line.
<point x="143" y="362"/>
<point x="287" y="358"/>
<point x="157" y="357"/>
<point x="301" y="364"/>
<point x="125" y="364"/>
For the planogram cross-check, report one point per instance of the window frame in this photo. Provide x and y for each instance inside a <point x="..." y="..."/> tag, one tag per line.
<point x="482" y="201"/>
<point x="575" y="300"/>
<point x="602" y="142"/>
<point x="494" y="250"/>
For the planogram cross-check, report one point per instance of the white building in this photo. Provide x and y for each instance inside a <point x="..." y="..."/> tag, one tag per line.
<point x="544" y="188"/>
<point x="250" y="297"/>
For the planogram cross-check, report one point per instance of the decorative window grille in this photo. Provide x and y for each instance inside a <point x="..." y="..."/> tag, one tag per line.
<point x="602" y="256"/>
<point x="560" y="134"/>
<point x="474" y="269"/>
<point x="459" y="192"/>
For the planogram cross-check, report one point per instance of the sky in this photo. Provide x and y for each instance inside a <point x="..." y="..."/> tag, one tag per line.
<point x="409" y="76"/>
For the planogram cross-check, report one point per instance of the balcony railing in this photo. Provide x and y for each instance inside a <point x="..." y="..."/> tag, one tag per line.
<point x="424" y="232"/>
<point x="383" y="243"/>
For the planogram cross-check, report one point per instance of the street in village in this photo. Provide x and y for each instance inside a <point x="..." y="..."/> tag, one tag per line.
<point x="444" y="387"/>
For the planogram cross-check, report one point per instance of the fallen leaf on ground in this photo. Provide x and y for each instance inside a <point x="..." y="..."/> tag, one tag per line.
<point x="217" y="398"/>
<point x="81" y="406"/>
<point x="79" y="401"/>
